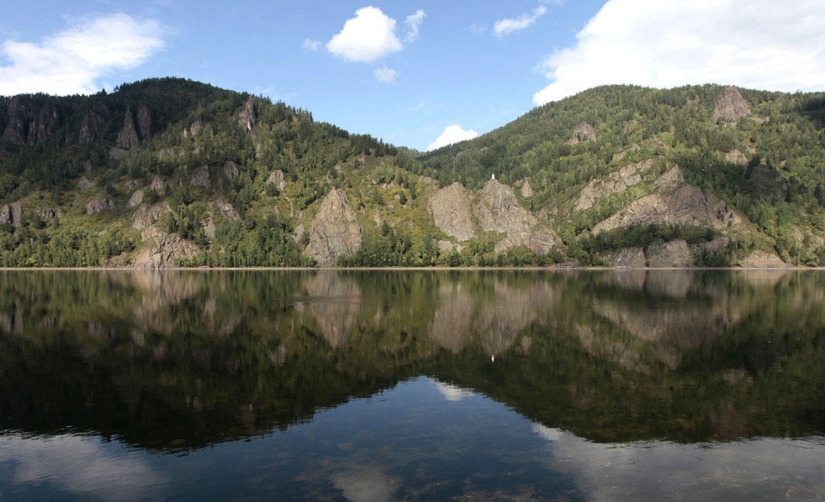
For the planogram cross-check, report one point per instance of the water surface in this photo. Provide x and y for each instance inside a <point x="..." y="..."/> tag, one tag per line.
<point x="473" y="385"/>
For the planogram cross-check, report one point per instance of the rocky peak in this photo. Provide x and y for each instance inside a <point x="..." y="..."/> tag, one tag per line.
<point x="247" y="116"/>
<point x="277" y="179"/>
<point x="730" y="107"/>
<point x="128" y="136"/>
<point x="28" y="123"/>
<point x="582" y="132"/>
<point x="335" y="230"/>
<point x="450" y="208"/>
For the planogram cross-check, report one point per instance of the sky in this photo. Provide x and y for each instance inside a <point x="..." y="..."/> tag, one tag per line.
<point x="415" y="73"/>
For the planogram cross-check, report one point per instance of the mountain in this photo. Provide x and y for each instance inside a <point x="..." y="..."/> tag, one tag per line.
<point x="167" y="172"/>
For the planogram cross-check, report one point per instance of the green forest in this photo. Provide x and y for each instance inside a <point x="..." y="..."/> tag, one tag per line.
<point x="187" y="174"/>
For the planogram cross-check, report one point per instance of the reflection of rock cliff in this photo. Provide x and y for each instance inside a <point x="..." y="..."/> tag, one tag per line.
<point x="336" y="302"/>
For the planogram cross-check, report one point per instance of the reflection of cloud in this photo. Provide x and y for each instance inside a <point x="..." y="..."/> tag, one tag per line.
<point x="547" y="433"/>
<point x="452" y="392"/>
<point x="81" y="466"/>
<point x="366" y="484"/>
<point x="721" y="471"/>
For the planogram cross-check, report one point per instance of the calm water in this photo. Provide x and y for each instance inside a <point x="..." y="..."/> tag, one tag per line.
<point x="319" y="385"/>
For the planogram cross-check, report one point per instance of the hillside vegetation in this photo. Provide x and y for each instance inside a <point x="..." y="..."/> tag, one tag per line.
<point x="168" y="172"/>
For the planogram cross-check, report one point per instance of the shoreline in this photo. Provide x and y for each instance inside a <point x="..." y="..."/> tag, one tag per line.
<point x="394" y="269"/>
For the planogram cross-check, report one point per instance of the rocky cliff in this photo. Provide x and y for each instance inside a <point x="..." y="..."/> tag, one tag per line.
<point x="335" y="230"/>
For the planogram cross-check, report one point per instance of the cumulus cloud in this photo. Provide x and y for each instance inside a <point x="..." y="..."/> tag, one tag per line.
<point x="385" y="75"/>
<point x="71" y="62"/>
<point x="506" y="26"/>
<point x="452" y="393"/>
<point x="413" y="22"/>
<point x="367" y="37"/>
<point x="666" y="43"/>
<point x="452" y="134"/>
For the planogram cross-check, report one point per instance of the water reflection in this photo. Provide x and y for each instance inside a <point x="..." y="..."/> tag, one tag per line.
<point x="624" y="369"/>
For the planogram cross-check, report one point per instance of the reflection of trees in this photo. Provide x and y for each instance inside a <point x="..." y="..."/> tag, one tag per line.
<point x="186" y="359"/>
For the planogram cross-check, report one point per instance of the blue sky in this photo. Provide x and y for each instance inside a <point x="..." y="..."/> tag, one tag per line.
<point x="417" y="73"/>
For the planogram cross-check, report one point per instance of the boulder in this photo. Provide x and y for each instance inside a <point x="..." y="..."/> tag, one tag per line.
<point x="730" y="107"/>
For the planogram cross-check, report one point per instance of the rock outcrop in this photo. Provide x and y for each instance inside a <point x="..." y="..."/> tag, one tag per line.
<point x="582" y="132"/>
<point x="164" y="250"/>
<point x="277" y="179"/>
<point x="28" y="123"/>
<point x="201" y="178"/>
<point x="669" y="254"/>
<point x="673" y="203"/>
<point x="12" y="214"/>
<point x="629" y="258"/>
<point x="619" y="181"/>
<point x="498" y="210"/>
<point x="99" y="204"/>
<point x="451" y="210"/>
<point x="335" y="230"/>
<point x="92" y="126"/>
<point x="763" y="259"/>
<point x="247" y="117"/>
<point x="128" y="136"/>
<point x="730" y="107"/>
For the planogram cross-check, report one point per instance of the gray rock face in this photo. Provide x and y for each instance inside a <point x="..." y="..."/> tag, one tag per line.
<point x="92" y="125"/>
<point x="231" y="171"/>
<point x="164" y="250"/>
<point x="498" y="211"/>
<point x="730" y="107"/>
<point x="99" y="204"/>
<point x="201" y="178"/>
<point x="28" y="123"/>
<point x="128" y="137"/>
<point x="450" y="208"/>
<point x="762" y="259"/>
<point x="619" y="181"/>
<point x="669" y="254"/>
<point x="247" y="116"/>
<point x="583" y="132"/>
<point x="277" y="179"/>
<point x="144" y="121"/>
<point x="674" y="202"/>
<point x="630" y="258"/>
<point x="12" y="214"/>
<point x="335" y="230"/>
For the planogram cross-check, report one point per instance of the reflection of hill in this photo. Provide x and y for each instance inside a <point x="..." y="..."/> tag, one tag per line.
<point x="186" y="360"/>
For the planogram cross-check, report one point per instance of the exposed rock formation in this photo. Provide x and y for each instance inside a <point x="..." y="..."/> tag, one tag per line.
<point x="451" y="211"/>
<point x="201" y="178"/>
<point x="583" y="132"/>
<point x="277" y="179"/>
<point x="128" y="137"/>
<point x="164" y="250"/>
<point x="498" y="211"/>
<point x="335" y="230"/>
<point x="92" y="126"/>
<point x="144" y="121"/>
<point x="247" y="116"/>
<point x="730" y="107"/>
<point x="619" y="181"/>
<point x="136" y="199"/>
<point x="99" y="204"/>
<point x="526" y="189"/>
<point x="12" y="214"/>
<point x="674" y="202"/>
<point x="736" y="158"/>
<point x="28" y="123"/>
<point x="49" y="215"/>
<point x="231" y="171"/>
<point x="630" y="257"/>
<point x="146" y="216"/>
<point x="762" y="259"/>
<point x="669" y="254"/>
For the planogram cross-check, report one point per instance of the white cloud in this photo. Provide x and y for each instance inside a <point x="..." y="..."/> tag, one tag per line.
<point x="507" y="26"/>
<point x="413" y="22"/>
<point x="367" y="37"/>
<point x="312" y="45"/>
<point x="72" y="61"/>
<point x="759" y="44"/>
<point x="385" y="75"/>
<point x="452" y="134"/>
<point x="452" y="393"/>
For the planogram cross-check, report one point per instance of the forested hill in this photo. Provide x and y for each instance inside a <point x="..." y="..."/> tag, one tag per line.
<point x="167" y="172"/>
